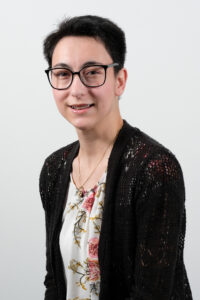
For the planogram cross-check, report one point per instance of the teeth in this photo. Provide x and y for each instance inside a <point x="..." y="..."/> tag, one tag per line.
<point x="81" y="107"/>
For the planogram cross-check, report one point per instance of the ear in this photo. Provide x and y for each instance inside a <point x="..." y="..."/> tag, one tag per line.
<point x="121" y="79"/>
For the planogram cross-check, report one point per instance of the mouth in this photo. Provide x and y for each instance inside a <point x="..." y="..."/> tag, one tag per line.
<point x="81" y="106"/>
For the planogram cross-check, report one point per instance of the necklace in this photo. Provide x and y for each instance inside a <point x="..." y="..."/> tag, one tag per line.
<point x="80" y="189"/>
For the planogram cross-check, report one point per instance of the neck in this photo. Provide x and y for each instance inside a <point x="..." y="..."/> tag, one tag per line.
<point x="95" y="141"/>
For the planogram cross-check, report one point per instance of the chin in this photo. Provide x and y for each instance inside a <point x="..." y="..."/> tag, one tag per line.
<point x="82" y="124"/>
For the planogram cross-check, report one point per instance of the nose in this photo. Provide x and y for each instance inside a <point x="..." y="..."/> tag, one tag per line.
<point x="77" y="88"/>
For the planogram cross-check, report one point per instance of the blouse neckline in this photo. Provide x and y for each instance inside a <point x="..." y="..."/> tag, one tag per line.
<point x="91" y="189"/>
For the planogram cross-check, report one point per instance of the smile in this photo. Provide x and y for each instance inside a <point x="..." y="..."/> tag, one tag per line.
<point x="81" y="106"/>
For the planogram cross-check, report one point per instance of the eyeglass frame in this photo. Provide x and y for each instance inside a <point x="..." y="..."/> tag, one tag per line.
<point x="78" y="73"/>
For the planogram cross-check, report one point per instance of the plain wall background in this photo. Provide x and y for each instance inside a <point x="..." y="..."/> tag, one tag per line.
<point x="162" y="98"/>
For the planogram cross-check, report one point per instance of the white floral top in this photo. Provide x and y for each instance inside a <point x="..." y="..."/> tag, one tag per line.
<point x="79" y="240"/>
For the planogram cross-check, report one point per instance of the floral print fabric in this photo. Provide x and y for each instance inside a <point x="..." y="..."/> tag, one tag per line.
<point x="79" y="241"/>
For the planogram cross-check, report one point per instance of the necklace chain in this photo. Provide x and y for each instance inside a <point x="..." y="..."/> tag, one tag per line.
<point x="81" y="188"/>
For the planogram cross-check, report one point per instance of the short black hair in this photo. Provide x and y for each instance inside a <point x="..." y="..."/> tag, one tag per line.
<point x="97" y="27"/>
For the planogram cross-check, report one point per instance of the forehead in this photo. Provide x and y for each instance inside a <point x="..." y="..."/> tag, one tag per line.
<point x="75" y="50"/>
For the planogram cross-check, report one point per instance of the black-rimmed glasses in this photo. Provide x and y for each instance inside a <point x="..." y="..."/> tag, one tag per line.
<point x="91" y="76"/>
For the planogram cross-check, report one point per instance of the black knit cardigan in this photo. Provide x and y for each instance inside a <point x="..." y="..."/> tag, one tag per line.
<point x="143" y="225"/>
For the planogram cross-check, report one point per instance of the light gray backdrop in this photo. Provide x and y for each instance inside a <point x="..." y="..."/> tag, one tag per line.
<point x="162" y="99"/>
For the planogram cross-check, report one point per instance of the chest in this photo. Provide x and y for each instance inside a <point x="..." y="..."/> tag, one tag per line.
<point x="85" y="176"/>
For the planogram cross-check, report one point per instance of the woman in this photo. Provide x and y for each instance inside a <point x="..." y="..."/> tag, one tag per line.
<point x="113" y="199"/>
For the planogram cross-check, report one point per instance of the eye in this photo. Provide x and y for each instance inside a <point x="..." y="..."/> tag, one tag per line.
<point x="61" y="73"/>
<point x="93" y="71"/>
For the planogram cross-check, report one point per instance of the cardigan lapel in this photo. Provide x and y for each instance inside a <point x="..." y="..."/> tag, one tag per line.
<point x="63" y="183"/>
<point x="113" y="173"/>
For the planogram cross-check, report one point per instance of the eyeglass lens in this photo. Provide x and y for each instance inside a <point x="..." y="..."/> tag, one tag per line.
<point x="90" y="76"/>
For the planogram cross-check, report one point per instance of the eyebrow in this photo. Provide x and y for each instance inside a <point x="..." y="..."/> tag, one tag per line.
<point x="88" y="63"/>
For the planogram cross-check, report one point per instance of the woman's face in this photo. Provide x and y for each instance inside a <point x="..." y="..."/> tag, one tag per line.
<point x="74" y="52"/>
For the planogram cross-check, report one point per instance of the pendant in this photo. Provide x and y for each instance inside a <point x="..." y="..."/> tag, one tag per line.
<point x="81" y="192"/>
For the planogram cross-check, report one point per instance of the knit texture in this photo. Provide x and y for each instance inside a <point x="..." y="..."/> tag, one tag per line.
<point x="143" y="225"/>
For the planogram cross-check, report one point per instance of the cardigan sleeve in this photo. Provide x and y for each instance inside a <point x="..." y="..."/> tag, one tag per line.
<point x="51" y="290"/>
<point x="159" y="210"/>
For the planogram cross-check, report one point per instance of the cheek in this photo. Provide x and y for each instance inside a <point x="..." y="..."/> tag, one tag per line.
<point x="104" y="92"/>
<point x="107" y="96"/>
<point x="59" y="96"/>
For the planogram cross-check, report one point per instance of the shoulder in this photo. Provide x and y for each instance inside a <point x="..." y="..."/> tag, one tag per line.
<point x="51" y="167"/>
<point x="148" y="155"/>
<point x="138" y="139"/>
<point x="152" y="171"/>
<point x="60" y="154"/>
<point x="58" y="157"/>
